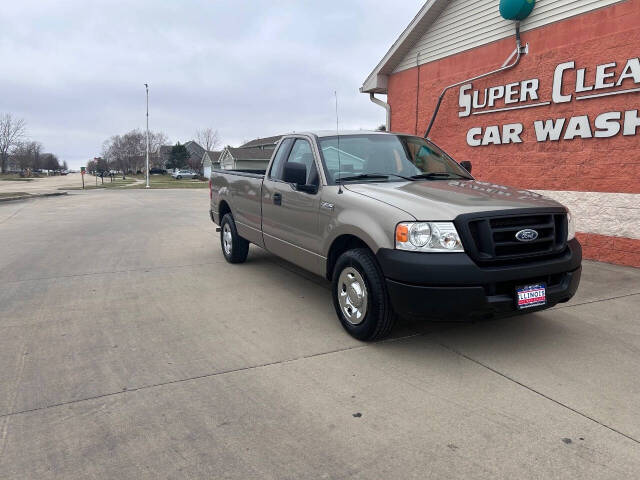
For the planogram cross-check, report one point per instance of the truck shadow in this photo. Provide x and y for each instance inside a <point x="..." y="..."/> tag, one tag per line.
<point x="500" y="332"/>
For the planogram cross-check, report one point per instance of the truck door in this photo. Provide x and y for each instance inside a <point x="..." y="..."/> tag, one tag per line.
<point x="290" y="217"/>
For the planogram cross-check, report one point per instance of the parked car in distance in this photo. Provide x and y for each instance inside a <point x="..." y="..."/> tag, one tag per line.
<point x="179" y="174"/>
<point x="157" y="171"/>
<point x="399" y="227"/>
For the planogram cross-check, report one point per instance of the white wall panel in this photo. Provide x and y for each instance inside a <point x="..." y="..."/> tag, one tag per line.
<point x="466" y="24"/>
<point x="612" y="214"/>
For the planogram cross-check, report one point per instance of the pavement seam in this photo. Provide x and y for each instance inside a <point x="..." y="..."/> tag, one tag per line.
<point x="13" y="214"/>
<point x="114" y="272"/>
<point x="537" y="392"/>
<point x="12" y="397"/>
<point x="206" y="375"/>
<point x="597" y="301"/>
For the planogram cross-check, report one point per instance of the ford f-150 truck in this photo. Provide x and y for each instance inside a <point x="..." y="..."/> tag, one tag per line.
<point x="399" y="228"/>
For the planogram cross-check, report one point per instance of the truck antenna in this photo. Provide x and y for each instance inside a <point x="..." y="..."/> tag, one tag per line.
<point x="335" y="93"/>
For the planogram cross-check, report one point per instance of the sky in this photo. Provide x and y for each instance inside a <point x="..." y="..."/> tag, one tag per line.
<point x="75" y="70"/>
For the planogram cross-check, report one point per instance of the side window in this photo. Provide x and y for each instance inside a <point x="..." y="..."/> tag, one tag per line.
<point x="278" y="161"/>
<point x="302" y="153"/>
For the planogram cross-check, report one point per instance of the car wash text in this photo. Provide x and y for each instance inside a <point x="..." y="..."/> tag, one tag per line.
<point x="525" y="94"/>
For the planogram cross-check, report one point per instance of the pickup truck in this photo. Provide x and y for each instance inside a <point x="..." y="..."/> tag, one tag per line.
<point x="399" y="228"/>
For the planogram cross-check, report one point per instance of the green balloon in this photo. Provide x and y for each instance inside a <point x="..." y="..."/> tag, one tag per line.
<point x="516" y="9"/>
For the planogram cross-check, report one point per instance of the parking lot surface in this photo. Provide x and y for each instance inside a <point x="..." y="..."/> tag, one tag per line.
<point x="46" y="184"/>
<point x="131" y="349"/>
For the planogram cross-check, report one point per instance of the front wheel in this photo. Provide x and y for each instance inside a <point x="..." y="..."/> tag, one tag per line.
<point x="179" y="177"/>
<point x="234" y="248"/>
<point x="360" y="296"/>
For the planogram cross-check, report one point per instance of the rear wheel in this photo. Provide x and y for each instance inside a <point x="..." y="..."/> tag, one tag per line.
<point x="234" y="248"/>
<point x="179" y="177"/>
<point x="360" y="296"/>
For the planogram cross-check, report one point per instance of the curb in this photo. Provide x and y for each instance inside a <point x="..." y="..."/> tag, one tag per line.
<point x="26" y="197"/>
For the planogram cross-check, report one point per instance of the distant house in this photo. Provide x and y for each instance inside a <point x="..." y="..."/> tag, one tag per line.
<point x="164" y="154"/>
<point x="210" y="160"/>
<point x="253" y="155"/>
<point x="196" y="153"/>
<point x="245" y="158"/>
<point x="264" y="143"/>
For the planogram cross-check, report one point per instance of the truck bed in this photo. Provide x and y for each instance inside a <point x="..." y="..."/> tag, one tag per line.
<point x="245" y="188"/>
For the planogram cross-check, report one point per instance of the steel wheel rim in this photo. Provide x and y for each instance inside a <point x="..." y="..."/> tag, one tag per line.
<point x="226" y="239"/>
<point x="352" y="296"/>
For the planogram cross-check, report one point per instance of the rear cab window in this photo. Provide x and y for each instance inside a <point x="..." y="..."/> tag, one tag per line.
<point x="275" y="172"/>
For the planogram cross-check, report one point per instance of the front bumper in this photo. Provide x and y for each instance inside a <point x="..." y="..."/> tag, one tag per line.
<point x="451" y="285"/>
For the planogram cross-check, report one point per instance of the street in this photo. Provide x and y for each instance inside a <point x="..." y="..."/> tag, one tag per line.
<point x="131" y="349"/>
<point x="46" y="184"/>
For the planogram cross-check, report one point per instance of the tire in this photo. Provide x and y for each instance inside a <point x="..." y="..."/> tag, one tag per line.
<point x="179" y="177"/>
<point x="360" y="296"/>
<point x="234" y="248"/>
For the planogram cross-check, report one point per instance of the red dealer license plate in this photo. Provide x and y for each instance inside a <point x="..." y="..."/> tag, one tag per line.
<point x="531" y="296"/>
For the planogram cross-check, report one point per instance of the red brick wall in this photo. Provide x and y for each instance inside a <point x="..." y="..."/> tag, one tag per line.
<point x="623" y="251"/>
<point x="611" y="34"/>
<point x="604" y="165"/>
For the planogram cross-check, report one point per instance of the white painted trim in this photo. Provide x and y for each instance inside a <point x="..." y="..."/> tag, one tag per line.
<point x="607" y="94"/>
<point x="377" y="79"/>
<point x="611" y="214"/>
<point x="531" y="105"/>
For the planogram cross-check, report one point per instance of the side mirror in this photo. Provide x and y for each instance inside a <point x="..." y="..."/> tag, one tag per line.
<point x="295" y="173"/>
<point x="466" y="165"/>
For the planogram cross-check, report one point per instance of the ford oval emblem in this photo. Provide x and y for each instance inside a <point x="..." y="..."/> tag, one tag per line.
<point x="526" y="235"/>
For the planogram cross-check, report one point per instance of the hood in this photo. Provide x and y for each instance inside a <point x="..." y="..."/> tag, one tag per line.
<point x="446" y="199"/>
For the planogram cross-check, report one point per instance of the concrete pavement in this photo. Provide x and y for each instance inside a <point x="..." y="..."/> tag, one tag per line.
<point x="46" y="184"/>
<point x="130" y="348"/>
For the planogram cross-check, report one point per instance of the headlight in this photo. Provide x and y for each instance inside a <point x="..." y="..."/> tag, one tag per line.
<point x="428" y="237"/>
<point x="571" y="226"/>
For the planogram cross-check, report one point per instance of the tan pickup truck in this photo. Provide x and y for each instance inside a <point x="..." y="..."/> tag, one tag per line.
<point x="399" y="228"/>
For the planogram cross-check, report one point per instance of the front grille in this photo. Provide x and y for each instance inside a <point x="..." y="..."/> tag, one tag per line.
<point x="491" y="237"/>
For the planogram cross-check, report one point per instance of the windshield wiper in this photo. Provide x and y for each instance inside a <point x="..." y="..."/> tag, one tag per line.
<point x="365" y="176"/>
<point x="442" y="175"/>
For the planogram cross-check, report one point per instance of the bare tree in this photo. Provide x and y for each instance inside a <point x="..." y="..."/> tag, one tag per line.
<point x="156" y="140"/>
<point x="92" y="166"/>
<point x="36" y="151"/>
<point x="127" y="152"/>
<point x="135" y="146"/>
<point x="208" y="138"/>
<point x="50" y="162"/>
<point x="21" y="156"/>
<point x="12" y="131"/>
<point x="27" y="155"/>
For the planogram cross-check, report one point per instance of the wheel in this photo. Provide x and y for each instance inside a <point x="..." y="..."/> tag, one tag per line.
<point x="360" y="296"/>
<point x="179" y="177"/>
<point x="234" y="248"/>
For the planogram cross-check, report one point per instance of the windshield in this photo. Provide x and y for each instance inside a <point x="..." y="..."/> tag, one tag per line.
<point x="377" y="157"/>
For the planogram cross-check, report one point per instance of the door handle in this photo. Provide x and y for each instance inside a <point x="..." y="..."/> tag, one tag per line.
<point x="277" y="199"/>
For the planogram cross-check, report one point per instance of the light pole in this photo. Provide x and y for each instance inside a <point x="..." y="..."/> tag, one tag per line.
<point x="147" y="87"/>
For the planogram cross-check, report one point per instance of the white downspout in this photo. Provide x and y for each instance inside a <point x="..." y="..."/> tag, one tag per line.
<point x="384" y="105"/>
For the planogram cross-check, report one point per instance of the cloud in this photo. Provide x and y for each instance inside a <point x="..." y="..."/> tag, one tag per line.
<point x="75" y="70"/>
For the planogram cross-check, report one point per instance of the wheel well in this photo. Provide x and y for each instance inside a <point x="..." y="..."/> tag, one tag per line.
<point x="224" y="209"/>
<point x="338" y="247"/>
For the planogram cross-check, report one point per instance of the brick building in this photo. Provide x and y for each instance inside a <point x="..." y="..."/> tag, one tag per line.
<point x="564" y="121"/>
